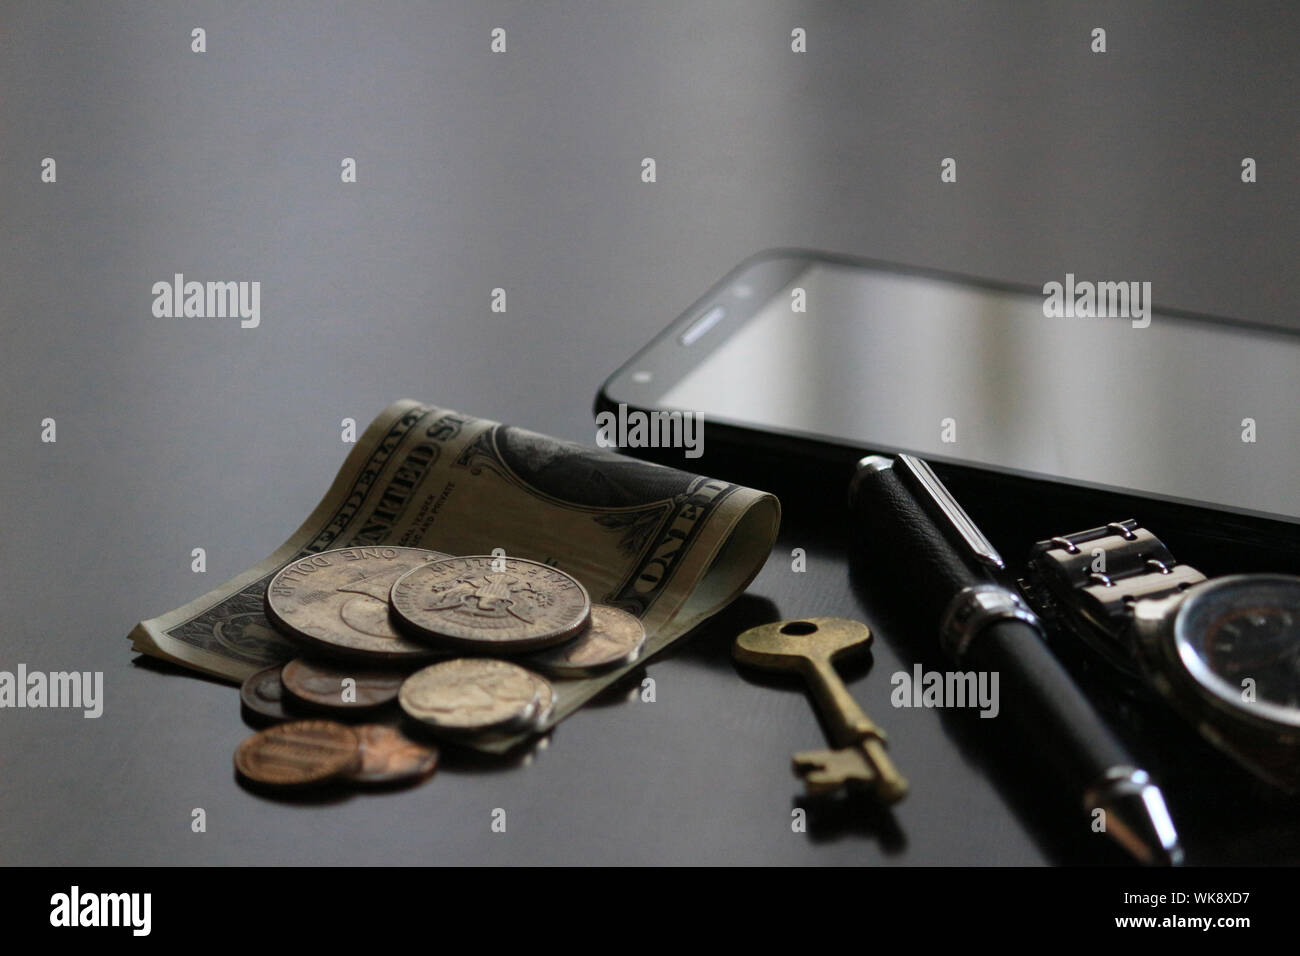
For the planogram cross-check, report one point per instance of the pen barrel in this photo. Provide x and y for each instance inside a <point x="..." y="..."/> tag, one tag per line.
<point x="987" y="635"/>
<point x="1036" y="694"/>
<point x="920" y="556"/>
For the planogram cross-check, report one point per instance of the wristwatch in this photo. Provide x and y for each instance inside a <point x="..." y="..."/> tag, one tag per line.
<point x="1223" y="652"/>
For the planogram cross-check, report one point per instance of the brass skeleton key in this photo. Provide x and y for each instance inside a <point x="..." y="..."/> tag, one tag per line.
<point x="811" y="646"/>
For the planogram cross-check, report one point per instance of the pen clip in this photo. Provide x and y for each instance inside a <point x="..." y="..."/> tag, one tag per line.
<point x="938" y="500"/>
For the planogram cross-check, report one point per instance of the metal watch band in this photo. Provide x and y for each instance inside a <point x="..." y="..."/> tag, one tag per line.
<point x="1102" y="571"/>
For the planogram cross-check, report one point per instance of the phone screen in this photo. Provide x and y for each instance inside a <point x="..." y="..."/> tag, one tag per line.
<point x="1178" y="408"/>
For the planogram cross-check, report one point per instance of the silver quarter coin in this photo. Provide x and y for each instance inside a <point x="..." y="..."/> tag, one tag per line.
<point x="471" y="695"/>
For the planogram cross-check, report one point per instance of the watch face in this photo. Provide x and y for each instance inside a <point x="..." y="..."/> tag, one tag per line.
<point x="1239" y="637"/>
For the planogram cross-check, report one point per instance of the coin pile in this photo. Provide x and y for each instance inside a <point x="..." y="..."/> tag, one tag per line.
<point x="380" y="625"/>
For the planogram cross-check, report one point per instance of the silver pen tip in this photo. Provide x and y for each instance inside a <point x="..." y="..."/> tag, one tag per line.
<point x="1135" y="816"/>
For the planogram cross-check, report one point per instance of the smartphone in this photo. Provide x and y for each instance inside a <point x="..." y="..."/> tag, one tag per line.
<point x="816" y="359"/>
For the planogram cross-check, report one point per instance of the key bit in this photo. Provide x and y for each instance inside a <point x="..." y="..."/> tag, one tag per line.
<point x="824" y="771"/>
<point x="810" y="647"/>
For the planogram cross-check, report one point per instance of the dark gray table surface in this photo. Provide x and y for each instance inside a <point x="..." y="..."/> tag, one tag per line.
<point x="522" y="170"/>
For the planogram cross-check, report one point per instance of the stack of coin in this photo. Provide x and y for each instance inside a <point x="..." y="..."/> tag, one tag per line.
<point x="506" y="606"/>
<point x="335" y="603"/>
<point x="366" y="617"/>
<point x="500" y="606"/>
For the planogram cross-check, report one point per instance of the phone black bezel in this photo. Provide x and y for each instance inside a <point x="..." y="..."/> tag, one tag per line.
<point x="771" y="451"/>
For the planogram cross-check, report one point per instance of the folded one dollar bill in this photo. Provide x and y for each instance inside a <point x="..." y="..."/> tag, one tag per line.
<point x="671" y="547"/>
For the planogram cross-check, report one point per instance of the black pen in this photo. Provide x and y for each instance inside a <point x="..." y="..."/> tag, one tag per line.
<point x="986" y="626"/>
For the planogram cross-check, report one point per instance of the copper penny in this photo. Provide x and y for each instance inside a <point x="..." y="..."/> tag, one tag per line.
<point x="388" y="756"/>
<point x="338" y="686"/>
<point x="498" y="605"/>
<point x="298" y="754"/>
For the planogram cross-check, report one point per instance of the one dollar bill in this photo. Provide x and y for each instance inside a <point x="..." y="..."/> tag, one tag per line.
<point x="671" y="547"/>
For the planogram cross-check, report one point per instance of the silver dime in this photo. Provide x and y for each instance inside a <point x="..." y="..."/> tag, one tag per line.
<point x="497" y="605"/>
<point x="263" y="696"/>
<point x="336" y="602"/>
